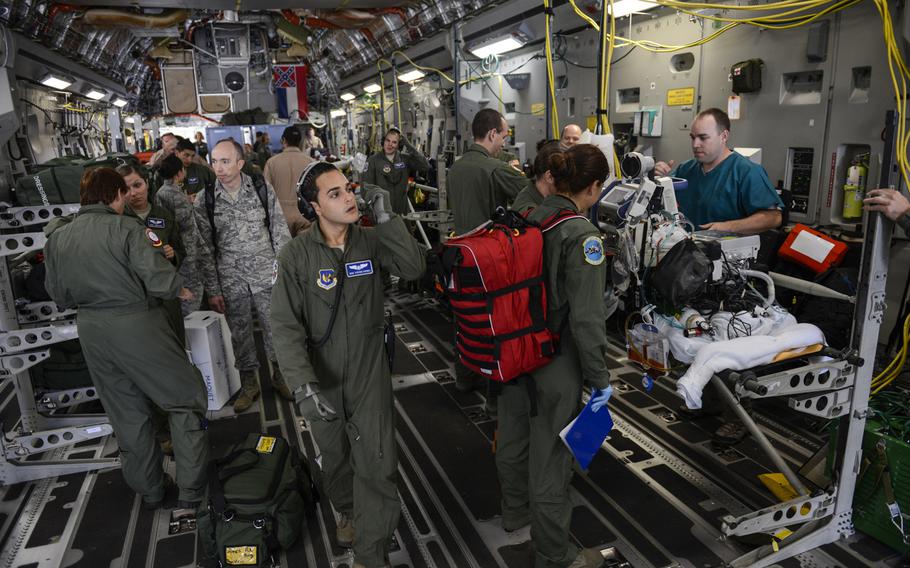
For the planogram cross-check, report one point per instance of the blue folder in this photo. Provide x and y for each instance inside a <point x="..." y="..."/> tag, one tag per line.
<point x="586" y="434"/>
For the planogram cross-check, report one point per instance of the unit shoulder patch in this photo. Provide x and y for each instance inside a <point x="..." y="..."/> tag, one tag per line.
<point x="327" y="279"/>
<point x="153" y="238"/>
<point x="593" y="249"/>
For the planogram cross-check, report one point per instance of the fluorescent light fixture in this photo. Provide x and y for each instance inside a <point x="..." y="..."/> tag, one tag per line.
<point x="411" y="75"/>
<point x="56" y="81"/>
<point x="95" y="94"/>
<point x="347" y="97"/>
<point x="118" y="102"/>
<point x="626" y="7"/>
<point x="336" y="113"/>
<point x="372" y="88"/>
<point x="503" y="45"/>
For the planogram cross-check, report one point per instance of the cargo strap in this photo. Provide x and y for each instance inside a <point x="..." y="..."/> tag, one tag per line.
<point x="883" y="478"/>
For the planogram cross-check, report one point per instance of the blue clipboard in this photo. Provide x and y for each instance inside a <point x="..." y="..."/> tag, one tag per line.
<point x="586" y="434"/>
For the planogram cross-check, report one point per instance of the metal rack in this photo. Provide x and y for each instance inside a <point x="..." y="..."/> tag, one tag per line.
<point x="836" y="389"/>
<point x="26" y="332"/>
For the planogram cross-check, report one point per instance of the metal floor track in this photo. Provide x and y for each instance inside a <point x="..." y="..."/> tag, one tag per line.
<point x="654" y="496"/>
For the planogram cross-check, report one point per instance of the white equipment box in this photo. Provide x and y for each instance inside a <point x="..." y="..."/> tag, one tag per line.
<point x="209" y="341"/>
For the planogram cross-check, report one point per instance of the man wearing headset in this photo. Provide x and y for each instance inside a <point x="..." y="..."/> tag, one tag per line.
<point x="327" y="325"/>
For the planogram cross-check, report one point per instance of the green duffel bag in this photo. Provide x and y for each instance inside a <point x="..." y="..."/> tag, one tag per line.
<point x="61" y="161"/>
<point x="114" y="160"/>
<point x="50" y="186"/>
<point x="256" y="502"/>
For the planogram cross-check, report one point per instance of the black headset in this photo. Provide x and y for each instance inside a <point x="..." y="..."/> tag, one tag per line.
<point x="303" y="205"/>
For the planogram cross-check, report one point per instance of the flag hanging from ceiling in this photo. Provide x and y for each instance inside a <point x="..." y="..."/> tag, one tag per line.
<point x="290" y="88"/>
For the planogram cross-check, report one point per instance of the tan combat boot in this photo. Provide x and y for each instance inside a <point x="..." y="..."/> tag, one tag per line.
<point x="249" y="392"/>
<point x="588" y="558"/>
<point x="278" y="383"/>
<point x="344" y="531"/>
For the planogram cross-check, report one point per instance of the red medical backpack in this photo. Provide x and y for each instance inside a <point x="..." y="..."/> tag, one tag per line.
<point x="493" y="278"/>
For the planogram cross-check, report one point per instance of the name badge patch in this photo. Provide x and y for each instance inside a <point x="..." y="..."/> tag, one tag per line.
<point x="156" y="223"/>
<point x="327" y="279"/>
<point x="359" y="268"/>
<point x="400" y="166"/>
<point x="192" y="181"/>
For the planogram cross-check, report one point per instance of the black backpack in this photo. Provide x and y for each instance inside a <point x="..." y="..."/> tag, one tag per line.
<point x="262" y="191"/>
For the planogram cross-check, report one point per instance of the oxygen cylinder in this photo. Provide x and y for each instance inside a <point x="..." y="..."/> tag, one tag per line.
<point x="854" y="190"/>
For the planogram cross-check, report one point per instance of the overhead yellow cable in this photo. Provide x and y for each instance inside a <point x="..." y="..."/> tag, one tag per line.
<point x="422" y="68"/>
<point x="584" y="16"/>
<point x="550" y="79"/>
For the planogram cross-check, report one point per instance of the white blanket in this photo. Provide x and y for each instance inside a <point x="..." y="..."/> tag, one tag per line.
<point x="742" y="353"/>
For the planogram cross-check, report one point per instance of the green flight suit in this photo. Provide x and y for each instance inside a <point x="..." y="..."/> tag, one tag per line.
<point x="392" y="175"/>
<point x="105" y="265"/>
<point x="528" y="198"/>
<point x="197" y="178"/>
<point x="534" y="465"/>
<point x="477" y="185"/>
<point x="507" y="157"/>
<point x="359" y="456"/>
<point x="162" y="223"/>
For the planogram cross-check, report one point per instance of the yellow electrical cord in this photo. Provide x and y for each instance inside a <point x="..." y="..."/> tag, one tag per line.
<point x="422" y="68"/>
<point x="893" y="370"/>
<point x="584" y="16"/>
<point x="549" y="52"/>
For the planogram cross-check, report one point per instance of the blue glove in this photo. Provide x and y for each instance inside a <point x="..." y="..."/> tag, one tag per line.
<point x="599" y="398"/>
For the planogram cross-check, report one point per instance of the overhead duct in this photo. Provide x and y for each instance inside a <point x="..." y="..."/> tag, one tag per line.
<point x="103" y="17"/>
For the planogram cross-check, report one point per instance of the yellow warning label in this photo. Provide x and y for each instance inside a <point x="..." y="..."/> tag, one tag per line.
<point x="240" y="555"/>
<point x="681" y="97"/>
<point x="538" y="109"/>
<point x="265" y="445"/>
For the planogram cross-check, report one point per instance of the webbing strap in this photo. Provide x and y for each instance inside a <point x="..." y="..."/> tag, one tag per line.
<point x="496" y="293"/>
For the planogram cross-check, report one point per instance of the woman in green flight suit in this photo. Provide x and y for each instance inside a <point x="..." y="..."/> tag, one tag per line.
<point x="112" y="269"/>
<point x="534" y="465"/>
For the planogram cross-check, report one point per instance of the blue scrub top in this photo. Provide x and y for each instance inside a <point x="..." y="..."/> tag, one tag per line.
<point x="735" y="189"/>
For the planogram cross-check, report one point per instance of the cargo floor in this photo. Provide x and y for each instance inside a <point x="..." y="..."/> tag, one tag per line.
<point x="653" y="498"/>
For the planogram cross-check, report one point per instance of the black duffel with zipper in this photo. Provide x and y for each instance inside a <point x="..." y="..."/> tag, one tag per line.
<point x="256" y="502"/>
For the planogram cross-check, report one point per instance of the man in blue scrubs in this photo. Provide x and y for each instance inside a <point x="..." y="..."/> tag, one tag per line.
<point x="726" y="191"/>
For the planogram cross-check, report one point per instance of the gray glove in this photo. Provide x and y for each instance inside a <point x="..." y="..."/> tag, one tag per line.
<point x="376" y="201"/>
<point x="312" y="405"/>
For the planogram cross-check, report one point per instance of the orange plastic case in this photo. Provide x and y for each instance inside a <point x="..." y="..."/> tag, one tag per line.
<point x="812" y="249"/>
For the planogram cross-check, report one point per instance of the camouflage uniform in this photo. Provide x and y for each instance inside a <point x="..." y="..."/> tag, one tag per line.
<point x="173" y="199"/>
<point x="245" y="267"/>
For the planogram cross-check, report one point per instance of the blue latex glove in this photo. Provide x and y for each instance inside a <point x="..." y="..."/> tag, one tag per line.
<point x="599" y="398"/>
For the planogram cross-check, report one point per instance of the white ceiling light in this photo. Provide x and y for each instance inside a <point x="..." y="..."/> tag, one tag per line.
<point x="625" y="7"/>
<point x="347" y="97"/>
<point x="95" y="94"/>
<point x="372" y="88"/>
<point x="336" y="113"/>
<point x="56" y="81"/>
<point x="411" y="75"/>
<point x="500" y="46"/>
<point x="118" y="102"/>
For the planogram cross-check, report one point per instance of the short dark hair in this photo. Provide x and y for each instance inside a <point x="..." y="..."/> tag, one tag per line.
<point x="306" y="185"/>
<point x="578" y="167"/>
<point x="184" y="144"/>
<point x="127" y="169"/>
<point x="237" y="147"/>
<point x="291" y="136"/>
<point x="101" y="185"/>
<point x="393" y="130"/>
<point x="720" y="118"/>
<point x="542" y="159"/>
<point x="484" y="121"/>
<point x="170" y="167"/>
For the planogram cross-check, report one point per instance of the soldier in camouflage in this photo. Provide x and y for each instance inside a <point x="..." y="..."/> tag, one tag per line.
<point x="172" y="198"/>
<point x="240" y="263"/>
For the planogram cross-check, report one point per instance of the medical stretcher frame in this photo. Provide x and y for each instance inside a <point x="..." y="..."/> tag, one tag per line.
<point x="835" y="389"/>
